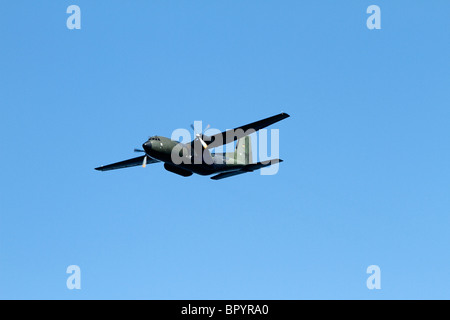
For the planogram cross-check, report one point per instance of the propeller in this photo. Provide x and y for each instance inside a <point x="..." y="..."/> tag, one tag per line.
<point x="144" y="162"/>
<point x="200" y="135"/>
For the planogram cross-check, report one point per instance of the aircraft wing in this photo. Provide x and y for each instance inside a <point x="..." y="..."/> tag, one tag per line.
<point x="239" y="132"/>
<point x="127" y="163"/>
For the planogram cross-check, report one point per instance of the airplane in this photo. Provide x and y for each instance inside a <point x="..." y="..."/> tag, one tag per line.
<point x="195" y="157"/>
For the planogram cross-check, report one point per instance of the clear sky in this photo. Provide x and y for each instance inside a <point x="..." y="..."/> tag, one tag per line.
<point x="366" y="176"/>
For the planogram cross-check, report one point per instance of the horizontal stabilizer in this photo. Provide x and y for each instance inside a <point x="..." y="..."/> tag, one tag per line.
<point x="227" y="174"/>
<point x="259" y="165"/>
<point x="248" y="168"/>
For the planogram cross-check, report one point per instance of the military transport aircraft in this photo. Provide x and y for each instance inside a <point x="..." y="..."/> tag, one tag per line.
<point x="195" y="157"/>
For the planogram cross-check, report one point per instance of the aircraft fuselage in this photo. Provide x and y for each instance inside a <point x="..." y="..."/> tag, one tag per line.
<point x="196" y="160"/>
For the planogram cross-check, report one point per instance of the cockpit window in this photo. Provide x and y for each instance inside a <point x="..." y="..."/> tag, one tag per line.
<point x="155" y="138"/>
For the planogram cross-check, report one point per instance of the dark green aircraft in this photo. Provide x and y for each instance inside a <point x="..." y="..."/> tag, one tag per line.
<point x="195" y="157"/>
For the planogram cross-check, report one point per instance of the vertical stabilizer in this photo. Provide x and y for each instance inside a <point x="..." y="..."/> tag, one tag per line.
<point x="243" y="151"/>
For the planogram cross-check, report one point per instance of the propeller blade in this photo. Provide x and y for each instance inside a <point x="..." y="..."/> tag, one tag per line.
<point x="144" y="163"/>
<point x="199" y="135"/>
<point x="203" y="143"/>
<point x="138" y="150"/>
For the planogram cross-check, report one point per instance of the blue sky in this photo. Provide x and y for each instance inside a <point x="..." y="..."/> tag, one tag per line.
<point x="366" y="173"/>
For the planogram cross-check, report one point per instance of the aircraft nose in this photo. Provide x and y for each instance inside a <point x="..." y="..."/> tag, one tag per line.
<point x="147" y="146"/>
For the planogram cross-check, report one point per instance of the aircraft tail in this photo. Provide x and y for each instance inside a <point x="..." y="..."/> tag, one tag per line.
<point x="243" y="151"/>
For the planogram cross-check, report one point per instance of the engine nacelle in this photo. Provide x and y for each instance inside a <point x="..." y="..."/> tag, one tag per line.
<point x="177" y="170"/>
